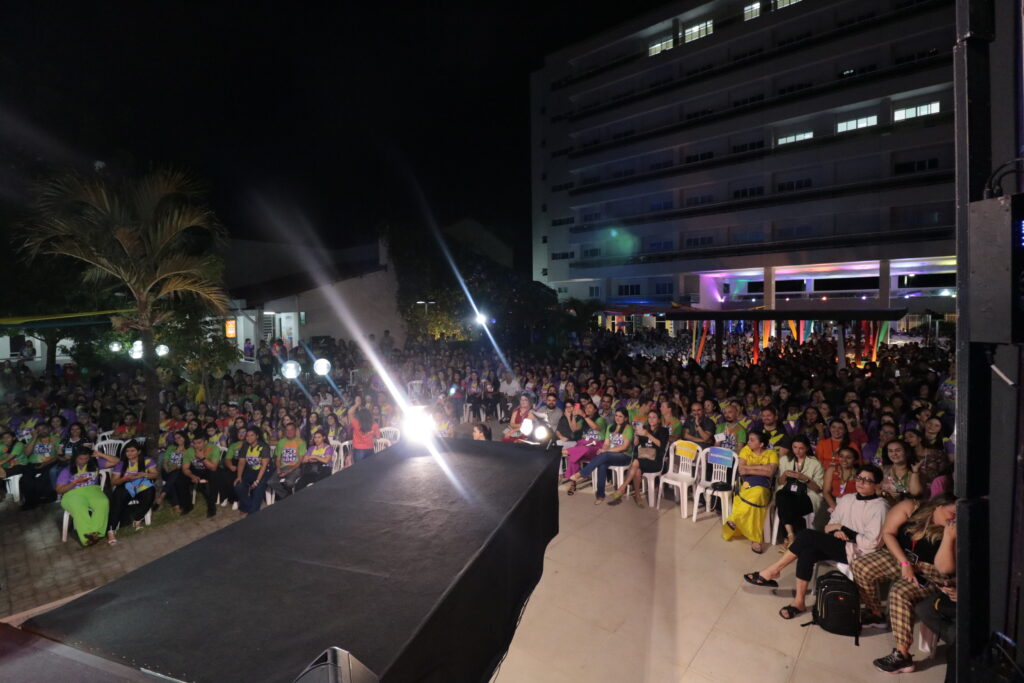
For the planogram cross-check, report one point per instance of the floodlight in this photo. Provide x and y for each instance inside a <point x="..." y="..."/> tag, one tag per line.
<point x="322" y="366"/>
<point x="481" y="319"/>
<point x="115" y="347"/>
<point x="291" y="369"/>
<point x="162" y="350"/>
<point x="418" y="425"/>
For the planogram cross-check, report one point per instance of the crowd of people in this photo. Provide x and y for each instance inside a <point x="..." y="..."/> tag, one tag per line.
<point x="856" y="458"/>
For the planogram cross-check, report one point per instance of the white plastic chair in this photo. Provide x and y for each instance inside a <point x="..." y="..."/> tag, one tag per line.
<point x="195" y="490"/>
<point x="341" y="452"/>
<point x="148" y="519"/>
<point x="682" y="473"/>
<point x="414" y="389"/>
<point x="67" y="515"/>
<point x="723" y="470"/>
<point x="380" y="444"/>
<point x="104" y="436"/>
<point x="772" y="537"/>
<point x="392" y="434"/>
<point x="13" y="483"/>
<point x="110" y="446"/>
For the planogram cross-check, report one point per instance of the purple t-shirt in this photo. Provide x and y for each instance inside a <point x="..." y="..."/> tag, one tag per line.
<point x="87" y="478"/>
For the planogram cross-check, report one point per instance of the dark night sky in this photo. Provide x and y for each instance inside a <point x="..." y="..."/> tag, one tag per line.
<point x="292" y="110"/>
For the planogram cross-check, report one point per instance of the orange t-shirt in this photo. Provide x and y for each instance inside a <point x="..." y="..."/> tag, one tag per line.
<point x="363" y="440"/>
<point x="827" y="449"/>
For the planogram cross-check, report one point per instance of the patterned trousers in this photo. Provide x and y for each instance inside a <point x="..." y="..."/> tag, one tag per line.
<point x="869" y="570"/>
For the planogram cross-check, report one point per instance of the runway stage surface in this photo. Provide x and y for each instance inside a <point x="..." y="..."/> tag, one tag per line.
<point x="419" y="577"/>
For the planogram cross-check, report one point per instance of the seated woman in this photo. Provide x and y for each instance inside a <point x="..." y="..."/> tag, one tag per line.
<point x="651" y="441"/>
<point x="839" y="477"/>
<point x="799" y="488"/>
<point x="589" y="444"/>
<point x="317" y="463"/>
<point x="936" y="471"/>
<point x="83" y="498"/>
<point x="205" y="467"/>
<point x="615" y="452"/>
<point x="900" y="476"/>
<point x="512" y="433"/>
<point x="757" y="467"/>
<point x="918" y="558"/>
<point x="253" y="472"/>
<point x="175" y="481"/>
<point x="481" y="432"/>
<point x="855" y="528"/>
<point x="133" y="480"/>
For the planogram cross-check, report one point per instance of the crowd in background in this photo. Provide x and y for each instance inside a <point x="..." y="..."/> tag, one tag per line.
<point x="863" y="449"/>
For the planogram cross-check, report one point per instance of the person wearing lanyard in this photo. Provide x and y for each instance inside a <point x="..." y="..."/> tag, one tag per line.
<point x="253" y="470"/>
<point x="798" y="490"/>
<point x="133" y="479"/>
<point x="82" y="497"/>
<point x="317" y="462"/>
<point x="902" y="479"/>
<point x="919" y="557"/>
<point x="839" y="477"/>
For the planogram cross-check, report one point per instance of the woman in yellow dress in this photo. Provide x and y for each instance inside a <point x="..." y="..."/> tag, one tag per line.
<point x="757" y="467"/>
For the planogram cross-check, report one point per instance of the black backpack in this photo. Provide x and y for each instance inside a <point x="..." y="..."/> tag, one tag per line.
<point x="837" y="605"/>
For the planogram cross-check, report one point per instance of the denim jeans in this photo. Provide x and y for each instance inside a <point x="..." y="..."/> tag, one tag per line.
<point x="359" y="454"/>
<point x="601" y="463"/>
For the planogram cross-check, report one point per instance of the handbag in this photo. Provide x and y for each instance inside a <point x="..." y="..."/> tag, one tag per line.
<point x="646" y="453"/>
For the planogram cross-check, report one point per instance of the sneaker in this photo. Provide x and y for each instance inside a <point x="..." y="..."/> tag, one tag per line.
<point x="895" y="663"/>
<point x="871" y="620"/>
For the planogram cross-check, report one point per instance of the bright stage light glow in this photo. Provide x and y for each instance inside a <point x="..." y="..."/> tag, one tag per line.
<point x="115" y="347"/>
<point x="322" y="366"/>
<point x="481" y="319"/>
<point x="291" y="369"/>
<point x="526" y="427"/>
<point x="135" y="352"/>
<point x="541" y="433"/>
<point x="162" y="350"/>
<point x="418" y="425"/>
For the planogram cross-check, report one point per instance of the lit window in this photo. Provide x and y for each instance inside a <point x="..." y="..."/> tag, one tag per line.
<point x="796" y="137"/>
<point x="752" y="11"/>
<point x="705" y="28"/>
<point x="659" y="47"/>
<point x="779" y="4"/>
<point x="914" y="112"/>
<point x="854" y="124"/>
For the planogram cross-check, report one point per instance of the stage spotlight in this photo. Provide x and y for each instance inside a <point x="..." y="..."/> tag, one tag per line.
<point x="291" y="369"/>
<point x="135" y="352"/>
<point x="481" y="319"/>
<point x="162" y="350"/>
<point x="526" y="427"/>
<point x="115" y="347"/>
<point x="541" y="433"/>
<point x="322" y="366"/>
<point x="418" y="425"/>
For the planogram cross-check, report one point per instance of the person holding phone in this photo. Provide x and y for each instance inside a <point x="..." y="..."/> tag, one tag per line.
<point x="918" y="558"/>
<point x="83" y="498"/>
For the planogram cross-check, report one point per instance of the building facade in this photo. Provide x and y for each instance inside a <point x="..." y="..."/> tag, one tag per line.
<point x="736" y="152"/>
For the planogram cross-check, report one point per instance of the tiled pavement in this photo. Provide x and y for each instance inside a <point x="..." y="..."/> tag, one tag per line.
<point x="37" y="569"/>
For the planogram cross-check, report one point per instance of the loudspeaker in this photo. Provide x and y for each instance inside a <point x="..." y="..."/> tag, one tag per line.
<point x="995" y="290"/>
<point x="335" y="665"/>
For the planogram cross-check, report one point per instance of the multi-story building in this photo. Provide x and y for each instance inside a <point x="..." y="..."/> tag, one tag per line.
<point x="710" y="152"/>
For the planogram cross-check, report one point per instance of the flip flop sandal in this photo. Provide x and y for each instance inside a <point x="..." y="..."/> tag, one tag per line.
<point x="572" y="488"/>
<point x="789" y="612"/>
<point x="757" y="548"/>
<point x="756" y="579"/>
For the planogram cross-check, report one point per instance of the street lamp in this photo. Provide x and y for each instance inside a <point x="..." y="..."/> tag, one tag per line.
<point x="115" y="347"/>
<point x="162" y="350"/>
<point x="426" y="305"/>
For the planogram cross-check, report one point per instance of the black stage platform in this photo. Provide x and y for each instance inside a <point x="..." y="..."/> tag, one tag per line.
<point x="388" y="560"/>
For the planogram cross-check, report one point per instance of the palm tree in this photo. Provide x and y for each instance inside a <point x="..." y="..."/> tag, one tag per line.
<point x="150" y="236"/>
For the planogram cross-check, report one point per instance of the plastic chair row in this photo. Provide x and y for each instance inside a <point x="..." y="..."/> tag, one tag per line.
<point x="687" y="470"/>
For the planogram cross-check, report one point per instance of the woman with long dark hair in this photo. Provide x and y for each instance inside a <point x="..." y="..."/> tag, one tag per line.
<point x="919" y="558"/>
<point x="616" y="451"/>
<point x="317" y="462"/>
<point x="134" y="479"/>
<point x="364" y="430"/>
<point x="901" y="478"/>
<point x="83" y="498"/>
<point x="175" y="481"/>
<point x="254" y="467"/>
<point x="837" y="438"/>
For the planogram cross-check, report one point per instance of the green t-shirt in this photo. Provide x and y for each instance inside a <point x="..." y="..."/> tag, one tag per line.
<point x="735" y="436"/>
<point x="617" y="439"/>
<point x="18" y="449"/>
<point x="289" y="451"/>
<point x="41" y="450"/>
<point x="212" y="459"/>
<point x="675" y="429"/>
<point x="233" y="450"/>
<point x="175" y="456"/>
<point x="598" y="434"/>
